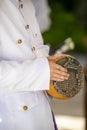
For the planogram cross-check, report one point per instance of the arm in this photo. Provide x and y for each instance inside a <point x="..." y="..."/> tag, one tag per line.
<point x="24" y="76"/>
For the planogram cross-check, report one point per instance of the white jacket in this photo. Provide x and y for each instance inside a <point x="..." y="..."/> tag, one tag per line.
<point x="24" y="69"/>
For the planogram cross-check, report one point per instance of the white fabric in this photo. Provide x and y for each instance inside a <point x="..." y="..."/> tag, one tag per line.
<point x="24" y="74"/>
<point x="43" y="14"/>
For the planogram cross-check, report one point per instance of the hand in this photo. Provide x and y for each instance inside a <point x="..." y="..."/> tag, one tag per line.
<point x="57" y="72"/>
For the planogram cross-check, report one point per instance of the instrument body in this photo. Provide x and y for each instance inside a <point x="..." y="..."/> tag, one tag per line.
<point x="67" y="88"/>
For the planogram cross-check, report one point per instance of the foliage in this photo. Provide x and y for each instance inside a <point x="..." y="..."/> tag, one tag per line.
<point x="64" y="24"/>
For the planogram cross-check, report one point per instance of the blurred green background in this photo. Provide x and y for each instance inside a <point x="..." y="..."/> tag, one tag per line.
<point x="69" y="19"/>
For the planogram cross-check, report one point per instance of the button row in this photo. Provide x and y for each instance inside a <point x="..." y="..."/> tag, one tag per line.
<point x="21" y="5"/>
<point x="33" y="48"/>
<point x="27" y="26"/>
<point x="20" y="42"/>
<point x="25" y="108"/>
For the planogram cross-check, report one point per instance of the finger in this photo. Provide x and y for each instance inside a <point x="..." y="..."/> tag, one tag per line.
<point x="59" y="77"/>
<point x="62" y="73"/>
<point x="60" y="68"/>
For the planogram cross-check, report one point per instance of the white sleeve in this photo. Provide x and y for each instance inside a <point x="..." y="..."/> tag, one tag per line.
<point x="43" y="51"/>
<point x="29" y="75"/>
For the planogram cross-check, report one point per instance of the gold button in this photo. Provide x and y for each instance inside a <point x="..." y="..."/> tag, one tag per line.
<point x="33" y="48"/>
<point x="19" y="41"/>
<point x="25" y="108"/>
<point x="27" y="26"/>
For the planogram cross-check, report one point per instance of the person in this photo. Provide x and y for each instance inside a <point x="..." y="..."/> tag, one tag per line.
<point x="42" y="11"/>
<point x="25" y="69"/>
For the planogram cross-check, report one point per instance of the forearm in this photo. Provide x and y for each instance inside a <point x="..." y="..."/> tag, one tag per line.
<point x="24" y="76"/>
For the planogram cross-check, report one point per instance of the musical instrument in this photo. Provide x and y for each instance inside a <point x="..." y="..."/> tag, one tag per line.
<point x="68" y="88"/>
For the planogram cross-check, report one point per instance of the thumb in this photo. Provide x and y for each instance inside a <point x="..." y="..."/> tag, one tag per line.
<point x="52" y="57"/>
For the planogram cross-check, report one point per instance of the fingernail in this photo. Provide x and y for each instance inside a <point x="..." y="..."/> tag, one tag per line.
<point x="62" y="80"/>
<point x="68" y="75"/>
